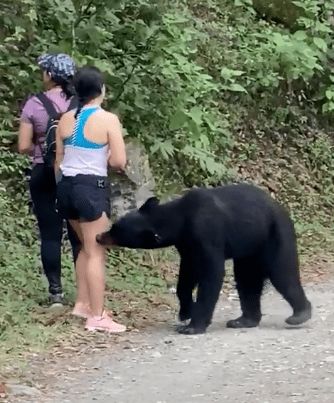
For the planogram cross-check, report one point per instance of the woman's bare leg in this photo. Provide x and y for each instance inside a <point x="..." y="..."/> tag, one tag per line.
<point x="94" y="266"/>
<point x="82" y="301"/>
<point x="95" y="262"/>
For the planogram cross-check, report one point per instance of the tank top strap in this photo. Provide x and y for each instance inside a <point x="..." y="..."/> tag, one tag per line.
<point x="81" y="121"/>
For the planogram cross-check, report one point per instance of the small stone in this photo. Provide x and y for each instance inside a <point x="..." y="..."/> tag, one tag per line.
<point x="73" y="369"/>
<point x="22" y="390"/>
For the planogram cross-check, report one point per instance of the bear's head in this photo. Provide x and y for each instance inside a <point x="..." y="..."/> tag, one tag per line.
<point x="135" y="230"/>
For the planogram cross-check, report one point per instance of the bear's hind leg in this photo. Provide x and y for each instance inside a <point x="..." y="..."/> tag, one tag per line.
<point x="249" y="279"/>
<point x="283" y="271"/>
<point x="289" y="286"/>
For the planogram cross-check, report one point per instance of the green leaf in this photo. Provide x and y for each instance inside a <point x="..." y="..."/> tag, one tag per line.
<point x="178" y="120"/>
<point x="195" y="114"/>
<point x="300" y="35"/>
<point x="236" y="88"/>
<point x="329" y="94"/>
<point x="227" y="73"/>
<point x="320" y="43"/>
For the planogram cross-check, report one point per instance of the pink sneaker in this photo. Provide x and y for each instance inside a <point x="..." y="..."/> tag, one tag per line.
<point x="103" y="323"/>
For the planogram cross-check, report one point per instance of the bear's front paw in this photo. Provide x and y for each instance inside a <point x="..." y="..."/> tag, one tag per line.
<point x="184" y="315"/>
<point x="190" y="329"/>
<point x="242" y="322"/>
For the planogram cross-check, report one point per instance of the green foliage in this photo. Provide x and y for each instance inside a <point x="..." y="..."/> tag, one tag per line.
<point x="171" y="71"/>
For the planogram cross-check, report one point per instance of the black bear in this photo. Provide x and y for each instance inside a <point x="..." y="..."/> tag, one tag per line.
<point x="208" y="226"/>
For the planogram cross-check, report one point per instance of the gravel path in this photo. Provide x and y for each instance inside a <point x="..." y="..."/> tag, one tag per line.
<point x="272" y="363"/>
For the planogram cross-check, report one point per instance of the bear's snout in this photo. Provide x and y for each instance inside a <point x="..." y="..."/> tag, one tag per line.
<point x="104" y="239"/>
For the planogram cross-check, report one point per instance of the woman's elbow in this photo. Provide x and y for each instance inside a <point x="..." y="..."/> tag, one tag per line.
<point x="23" y="148"/>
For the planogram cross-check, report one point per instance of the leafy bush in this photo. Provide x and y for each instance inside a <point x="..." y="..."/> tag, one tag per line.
<point x="174" y="69"/>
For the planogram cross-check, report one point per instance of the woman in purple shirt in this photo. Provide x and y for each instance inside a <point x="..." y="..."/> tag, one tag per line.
<point x="58" y="71"/>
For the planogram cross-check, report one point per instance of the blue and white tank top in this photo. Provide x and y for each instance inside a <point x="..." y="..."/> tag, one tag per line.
<point x="82" y="156"/>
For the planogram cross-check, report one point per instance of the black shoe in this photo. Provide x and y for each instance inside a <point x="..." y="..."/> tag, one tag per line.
<point x="56" y="300"/>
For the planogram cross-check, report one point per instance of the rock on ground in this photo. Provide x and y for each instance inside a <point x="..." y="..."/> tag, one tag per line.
<point x="272" y="363"/>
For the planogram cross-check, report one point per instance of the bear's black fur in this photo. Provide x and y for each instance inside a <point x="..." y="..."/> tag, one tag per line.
<point x="208" y="226"/>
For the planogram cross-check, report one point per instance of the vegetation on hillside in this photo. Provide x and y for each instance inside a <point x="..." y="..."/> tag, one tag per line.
<point x="215" y="92"/>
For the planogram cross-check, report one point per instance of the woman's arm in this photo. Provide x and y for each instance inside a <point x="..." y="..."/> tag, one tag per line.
<point x="117" y="154"/>
<point x="25" y="137"/>
<point x="26" y="129"/>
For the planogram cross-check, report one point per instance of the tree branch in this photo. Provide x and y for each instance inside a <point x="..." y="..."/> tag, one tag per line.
<point x="135" y="65"/>
<point x="84" y="13"/>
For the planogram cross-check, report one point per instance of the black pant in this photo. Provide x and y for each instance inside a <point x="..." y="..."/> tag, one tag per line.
<point x="43" y="191"/>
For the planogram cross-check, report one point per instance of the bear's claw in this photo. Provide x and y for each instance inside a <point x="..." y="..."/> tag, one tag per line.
<point x="190" y="330"/>
<point x="242" y="322"/>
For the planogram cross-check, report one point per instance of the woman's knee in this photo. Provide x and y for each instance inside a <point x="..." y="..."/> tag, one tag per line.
<point x="94" y="251"/>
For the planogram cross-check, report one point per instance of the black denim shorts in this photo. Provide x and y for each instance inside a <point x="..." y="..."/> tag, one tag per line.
<point x="83" y="197"/>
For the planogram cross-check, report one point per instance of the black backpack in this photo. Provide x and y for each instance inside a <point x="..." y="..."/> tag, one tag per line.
<point x="48" y="146"/>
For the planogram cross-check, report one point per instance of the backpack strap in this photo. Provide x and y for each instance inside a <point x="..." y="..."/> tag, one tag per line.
<point x="48" y="105"/>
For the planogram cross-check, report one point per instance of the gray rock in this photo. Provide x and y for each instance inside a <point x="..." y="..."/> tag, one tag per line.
<point x="132" y="189"/>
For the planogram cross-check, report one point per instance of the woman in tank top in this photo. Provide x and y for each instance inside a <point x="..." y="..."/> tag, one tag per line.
<point x="88" y="140"/>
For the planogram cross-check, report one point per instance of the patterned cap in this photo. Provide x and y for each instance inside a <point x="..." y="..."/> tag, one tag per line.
<point x="58" y="65"/>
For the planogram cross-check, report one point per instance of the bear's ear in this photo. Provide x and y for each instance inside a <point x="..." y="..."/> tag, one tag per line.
<point x="149" y="204"/>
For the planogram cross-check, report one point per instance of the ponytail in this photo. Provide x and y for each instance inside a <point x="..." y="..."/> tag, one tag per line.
<point x="81" y="104"/>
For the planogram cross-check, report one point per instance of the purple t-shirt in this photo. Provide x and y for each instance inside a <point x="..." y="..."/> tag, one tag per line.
<point x="34" y="112"/>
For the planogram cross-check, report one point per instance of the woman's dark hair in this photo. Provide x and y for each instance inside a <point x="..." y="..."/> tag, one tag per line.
<point x="60" y="68"/>
<point x="88" y="83"/>
<point x="66" y="86"/>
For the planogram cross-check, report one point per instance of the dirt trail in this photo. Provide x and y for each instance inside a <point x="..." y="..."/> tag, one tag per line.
<point x="272" y="363"/>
